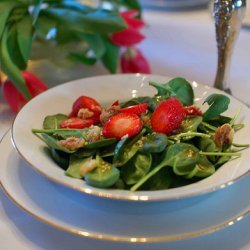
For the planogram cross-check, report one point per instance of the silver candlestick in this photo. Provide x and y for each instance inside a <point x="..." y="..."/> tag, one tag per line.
<point x="228" y="15"/>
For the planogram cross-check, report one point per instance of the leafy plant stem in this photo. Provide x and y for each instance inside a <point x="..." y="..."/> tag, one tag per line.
<point x="240" y="145"/>
<point x="205" y="124"/>
<point x="146" y="177"/>
<point x="236" y="116"/>
<point x="237" y="127"/>
<point x="48" y="131"/>
<point x="219" y="153"/>
<point x="187" y="134"/>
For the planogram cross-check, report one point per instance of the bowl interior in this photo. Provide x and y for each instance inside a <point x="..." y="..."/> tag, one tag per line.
<point x="107" y="89"/>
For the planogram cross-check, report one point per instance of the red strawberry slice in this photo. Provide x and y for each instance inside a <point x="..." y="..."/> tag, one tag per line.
<point x="136" y="109"/>
<point x="122" y="124"/>
<point x="87" y="103"/>
<point x="168" y="116"/>
<point x="76" y="122"/>
<point x="192" y="111"/>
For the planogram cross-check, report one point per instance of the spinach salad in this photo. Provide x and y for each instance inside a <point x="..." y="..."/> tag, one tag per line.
<point x="146" y="143"/>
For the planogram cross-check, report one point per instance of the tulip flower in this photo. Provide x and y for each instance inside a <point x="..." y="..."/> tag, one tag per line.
<point x="133" y="61"/>
<point x="131" y="35"/>
<point x="14" y="98"/>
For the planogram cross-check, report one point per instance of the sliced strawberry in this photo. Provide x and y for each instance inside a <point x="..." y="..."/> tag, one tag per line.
<point x="76" y="122"/>
<point x="122" y="124"/>
<point x="168" y="116"/>
<point x="192" y="111"/>
<point x="136" y="109"/>
<point x="87" y="103"/>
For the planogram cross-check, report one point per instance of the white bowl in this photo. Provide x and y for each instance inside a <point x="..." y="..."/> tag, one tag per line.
<point x="106" y="89"/>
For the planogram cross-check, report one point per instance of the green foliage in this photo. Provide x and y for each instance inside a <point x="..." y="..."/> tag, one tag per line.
<point x="71" y="21"/>
<point x="53" y="121"/>
<point x="218" y="103"/>
<point x="103" y="176"/>
<point x="136" y="168"/>
<point x="177" y="87"/>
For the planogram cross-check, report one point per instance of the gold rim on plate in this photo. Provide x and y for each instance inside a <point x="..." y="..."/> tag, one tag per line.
<point x="108" y="237"/>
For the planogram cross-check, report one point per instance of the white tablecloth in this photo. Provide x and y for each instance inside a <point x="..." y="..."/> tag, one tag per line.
<point x="177" y="44"/>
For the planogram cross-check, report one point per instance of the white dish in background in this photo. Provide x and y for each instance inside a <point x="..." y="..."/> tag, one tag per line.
<point x="106" y="89"/>
<point x="92" y="217"/>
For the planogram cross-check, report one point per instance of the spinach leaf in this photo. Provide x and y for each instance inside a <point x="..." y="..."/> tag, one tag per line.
<point x="183" y="90"/>
<point x="203" y="168"/>
<point x="161" y="180"/>
<point x="136" y="168"/>
<point x="104" y="176"/>
<point x="181" y="155"/>
<point x="75" y="164"/>
<point x="61" y="158"/>
<point x="178" y="155"/>
<point x="101" y="143"/>
<point x="53" y="121"/>
<point x="177" y="87"/>
<point x="53" y="143"/>
<point x="126" y="149"/>
<point x="154" y="143"/>
<point x="183" y="170"/>
<point x="190" y="124"/>
<point x="152" y="103"/>
<point x="83" y="152"/>
<point x="208" y="145"/>
<point x="218" y="104"/>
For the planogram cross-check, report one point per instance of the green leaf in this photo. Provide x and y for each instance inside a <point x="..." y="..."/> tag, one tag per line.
<point x="218" y="104"/>
<point x="99" y="21"/>
<point x="24" y="37"/>
<point x="177" y="87"/>
<point x="161" y="180"/>
<point x="14" y="50"/>
<point x="101" y="143"/>
<point x="53" y="143"/>
<point x="83" y="58"/>
<point x="183" y="90"/>
<point x="96" y="43"/>
<point x="181" y="155"/>
<point x="133" y="4"/>
<point x="53" y="121"/>
<point x="61" y="158"/>
<point x="43" y="25"/>
<point x="203" y="169"/>
<point x="10" y="69"/>
<point x="104" y="176"/>
<point x="190" y="124"/>
<point x="208" y="145"/>
<point x="75" y="164"/>
<point x="5" y="10"/>
<point x="135" y="169"/>
<point x="111" y="56"/>
<point x="154" y="143"/>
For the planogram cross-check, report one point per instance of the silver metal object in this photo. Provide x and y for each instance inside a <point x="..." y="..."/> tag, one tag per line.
<point x="228" y="15"/>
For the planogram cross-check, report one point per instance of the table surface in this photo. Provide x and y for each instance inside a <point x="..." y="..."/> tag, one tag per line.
<point x="177" y="44"/>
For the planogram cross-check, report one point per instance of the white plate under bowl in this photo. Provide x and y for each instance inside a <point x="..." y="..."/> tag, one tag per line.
<point x="107" y="89"/>
<point x="114" y="220"/>
<point x="174" y="4"/>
